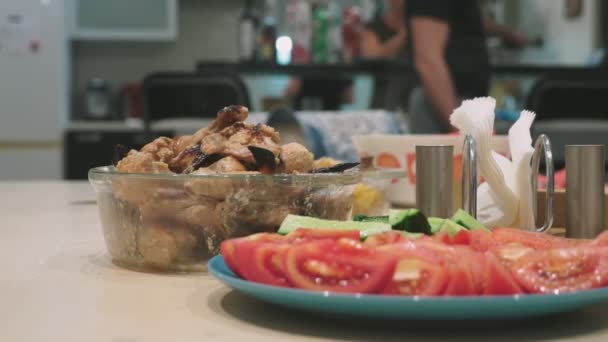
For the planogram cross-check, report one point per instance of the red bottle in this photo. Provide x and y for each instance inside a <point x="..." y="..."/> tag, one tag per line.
<point x="351" y="29"/>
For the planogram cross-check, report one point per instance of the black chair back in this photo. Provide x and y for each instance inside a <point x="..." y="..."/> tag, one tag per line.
<point x="572" y="95"/>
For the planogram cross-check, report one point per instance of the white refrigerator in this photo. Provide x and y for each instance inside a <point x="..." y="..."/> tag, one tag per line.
<point x="34" y="78"/>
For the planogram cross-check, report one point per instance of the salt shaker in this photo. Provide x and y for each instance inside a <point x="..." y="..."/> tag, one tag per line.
<point x="584" y="191"/>
<point x="434" y="177"/>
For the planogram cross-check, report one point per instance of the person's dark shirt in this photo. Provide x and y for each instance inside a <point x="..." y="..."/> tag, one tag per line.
<point x="466" y="52"/>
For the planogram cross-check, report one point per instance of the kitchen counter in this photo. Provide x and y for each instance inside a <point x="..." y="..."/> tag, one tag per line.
<point x="379" y="67"/>
<point x="58" y="284"/>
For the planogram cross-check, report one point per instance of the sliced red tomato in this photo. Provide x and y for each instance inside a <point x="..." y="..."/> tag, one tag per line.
<point x="462" y="237"/>
<point x="534" y="240"/>
<point x="416" y="275"/>
<point x="509" y="253"/>
<point x="442" y="237"/>
<point x="481" y="240"/>
<point x="338" y="266"/>
<point x="497" y="279"/>
<point x="386" y="238"/>
<point x="415" y="248"/>
<point x="601" y="240"/>
<point x="228" y="247"/>
<point x="258" y="261"/>
<point x="461" y="279"/>
<point x="562" y="270"/>
<point x="306" y="234"/>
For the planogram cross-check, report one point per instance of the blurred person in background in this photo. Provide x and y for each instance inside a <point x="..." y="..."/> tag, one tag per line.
<point x="448" y="47"/>
<point x="385" y="37"/>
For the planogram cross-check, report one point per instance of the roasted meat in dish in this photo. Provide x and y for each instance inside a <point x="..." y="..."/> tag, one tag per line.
<point x="168" y="221"/>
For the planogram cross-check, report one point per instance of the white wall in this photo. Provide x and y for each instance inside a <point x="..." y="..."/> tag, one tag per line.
<point x="567" y="41"/>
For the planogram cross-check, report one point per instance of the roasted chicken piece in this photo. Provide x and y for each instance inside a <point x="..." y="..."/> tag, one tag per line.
<point x="241" y="135"/>
<point x="295" y="158"/>
<point x="181" y="143"/>
<point x="161" y="244"/>
<point x="225" y="165"/>
<point x="161" y="149"/>
<point x="197" y="212"/>
<point x="225" y="117"/>
<point x="141" y="162"/>
<point x="221" y="187"/>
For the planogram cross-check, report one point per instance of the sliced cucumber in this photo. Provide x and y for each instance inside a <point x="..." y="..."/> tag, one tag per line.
<point x="293" y="222"/>
<point x="409" y="220"/>
<point x="451" y="227"/>
<point x="436" y="223"/>
<point x="464" y="219"/>
<point x="363" y="218"/>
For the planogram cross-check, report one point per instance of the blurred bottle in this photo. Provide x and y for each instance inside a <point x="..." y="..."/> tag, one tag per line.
<point x="247" y="33"/>
<point x="320" y="27"/>
<point x="334" y="34"/>
<point x="351" y="27"/>
<point x="368" y="9"/>
<point x="268" y="34"/>
<point x="299" y="27"/>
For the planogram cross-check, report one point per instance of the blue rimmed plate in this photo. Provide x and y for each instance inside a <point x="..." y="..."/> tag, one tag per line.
<point x="394" y="307"/>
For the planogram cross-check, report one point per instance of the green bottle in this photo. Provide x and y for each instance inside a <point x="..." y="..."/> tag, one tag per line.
<point x="320" y="25"/>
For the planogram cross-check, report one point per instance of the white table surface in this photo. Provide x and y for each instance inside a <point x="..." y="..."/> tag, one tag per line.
<point x="57" y="283"/>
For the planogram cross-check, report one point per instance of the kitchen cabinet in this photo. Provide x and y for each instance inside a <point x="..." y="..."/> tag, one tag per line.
<point x="149" y="20"/>
<point x="88" y="147"/>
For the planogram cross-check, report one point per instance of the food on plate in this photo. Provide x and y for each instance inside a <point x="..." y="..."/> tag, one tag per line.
<point x="169" y="205"/>
<point x="293" y="222"/>
<point x="223" y="147"/>
<point x="466" y="220"/>
<point x="370" y="200"/>
<point x="414" y="221"/>
<point x="410" y="220"/>
<point x="469" y="263"/>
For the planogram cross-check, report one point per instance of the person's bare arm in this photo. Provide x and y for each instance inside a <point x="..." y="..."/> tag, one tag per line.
<point x="429" y="38"/>
<point x="293" y="89"/>
<point x="509" y="36"/>
<point x="372" y="47"/>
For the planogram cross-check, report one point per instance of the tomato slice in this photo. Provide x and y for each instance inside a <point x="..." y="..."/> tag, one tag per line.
<point x="307" y="234"/>
<point x="416" y="274"/>
<point x="262" y="262"/>
<point x="227" y="249"/>
<point x="461" y="282"/>
<point x="481" y="241"/>
<point x="562" y="270"/>
<point x="531" y="239"/>
<point x="509" y="253"/>
<point x="601" y="240"/>
<point x="498" y="280"/>
<point x="462" y="237"/>
<point x="385" y="238"/>
<point x="337" y="266"/>
<point x="442" y="237"/>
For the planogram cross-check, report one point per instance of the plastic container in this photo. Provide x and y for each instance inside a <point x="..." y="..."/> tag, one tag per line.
<point x="175" y="223"/>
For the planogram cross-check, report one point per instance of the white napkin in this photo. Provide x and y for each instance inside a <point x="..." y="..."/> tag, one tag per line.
<point x="505" y="198"/>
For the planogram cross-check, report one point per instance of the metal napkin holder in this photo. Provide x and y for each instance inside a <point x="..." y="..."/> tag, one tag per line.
<point x="469" y="178"/>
